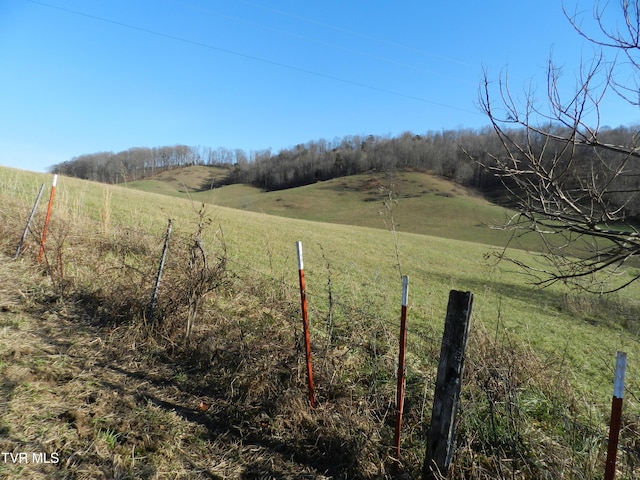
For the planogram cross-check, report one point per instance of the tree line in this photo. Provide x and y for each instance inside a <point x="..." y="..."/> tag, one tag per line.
<point x="133" y="164"/>
<point x="465" y="156"/>
<point x="441" y="153"/>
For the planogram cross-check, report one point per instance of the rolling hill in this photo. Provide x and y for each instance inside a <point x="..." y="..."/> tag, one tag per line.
<point x="410" y="202"/>
<point x="88" y="375"/>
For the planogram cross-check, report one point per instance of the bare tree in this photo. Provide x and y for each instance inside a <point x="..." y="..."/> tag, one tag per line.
<point x="574" y="185"/>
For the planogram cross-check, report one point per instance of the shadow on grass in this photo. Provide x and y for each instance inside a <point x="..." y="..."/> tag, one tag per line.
<point x="607" y="310"/>
<point x="241" y="425"/>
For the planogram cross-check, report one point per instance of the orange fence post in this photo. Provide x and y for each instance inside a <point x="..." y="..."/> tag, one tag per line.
<point x="47" y="218"/>
<point x="616" y="416"/>
<point x="305" y="325"/>
<point x="401" y="364"/>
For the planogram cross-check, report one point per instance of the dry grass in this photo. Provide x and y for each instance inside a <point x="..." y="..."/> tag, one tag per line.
<point x="88" y="377"/>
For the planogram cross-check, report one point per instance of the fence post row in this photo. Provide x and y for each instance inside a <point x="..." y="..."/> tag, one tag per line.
<point x="616" y="415"/>
<point x="401" y="364"/>
<point x="305" y="326"/>
<point x="440" y="440"/>
<point x="154" y="296"/>
<point x="26" y="228"/>
<point x="47" y="218"/>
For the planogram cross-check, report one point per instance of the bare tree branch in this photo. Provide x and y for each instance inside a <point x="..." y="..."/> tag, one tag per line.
<point x="572" y="185"/>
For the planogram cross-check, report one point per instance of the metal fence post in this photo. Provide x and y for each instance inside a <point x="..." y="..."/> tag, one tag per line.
<point x="616" y="416"/>
<point x="401" y="364"/>
<point x="154" y="297"/>
<point x="47" y="218"/>
<point x="305" y="326"/>
<point x="26" y="228"/>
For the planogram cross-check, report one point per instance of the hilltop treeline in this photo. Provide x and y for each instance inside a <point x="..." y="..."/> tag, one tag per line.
<point x="442" y="153"/>
<point x="455" y="154"/>
<point x="130" y="165"/>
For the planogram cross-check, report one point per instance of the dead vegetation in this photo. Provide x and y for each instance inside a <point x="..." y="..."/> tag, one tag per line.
<point x="216" y="389"/>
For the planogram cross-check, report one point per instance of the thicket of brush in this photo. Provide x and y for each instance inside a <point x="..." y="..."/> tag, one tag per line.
<point x="242" y="357"/>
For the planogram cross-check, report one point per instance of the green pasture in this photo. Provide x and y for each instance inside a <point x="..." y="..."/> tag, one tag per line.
<point x="578" y="335"/>
<point x="411" y="201"/>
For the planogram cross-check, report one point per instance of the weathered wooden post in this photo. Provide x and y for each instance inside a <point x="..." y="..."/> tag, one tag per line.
<point x="616" y="416"/>
<point x="26" y="229"/>
<point x="441" y="437"/>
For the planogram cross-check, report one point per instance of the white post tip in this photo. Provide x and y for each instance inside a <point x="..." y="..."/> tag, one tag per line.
<point x="55" y="180"/>
<point x="405" y="290"/>
<point x="621" y="367"/>
<point x="300" y="262"/>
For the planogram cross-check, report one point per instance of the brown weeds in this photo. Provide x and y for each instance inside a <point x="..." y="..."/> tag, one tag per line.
<point x="86" y="376"/>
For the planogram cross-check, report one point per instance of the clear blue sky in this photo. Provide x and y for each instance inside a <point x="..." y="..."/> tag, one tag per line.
<point x="83" y="76"/>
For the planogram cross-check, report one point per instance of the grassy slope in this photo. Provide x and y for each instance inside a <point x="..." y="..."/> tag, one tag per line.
<point x="364" y="272"/>
<point x="366" y="257"/>
<point x="421" y="203"/>
<point x="179" y="181"/>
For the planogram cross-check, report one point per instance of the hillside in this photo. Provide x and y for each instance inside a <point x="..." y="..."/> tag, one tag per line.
<point x="88" y="375"/>
<point x="465" y="156"/>
<point x="410" y="202"/>
<point x="182" y="180"/>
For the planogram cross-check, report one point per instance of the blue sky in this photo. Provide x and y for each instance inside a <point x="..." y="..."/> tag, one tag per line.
<point x="83" y="76"/>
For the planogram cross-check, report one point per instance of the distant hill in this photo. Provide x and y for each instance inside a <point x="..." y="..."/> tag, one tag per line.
<point x="411" y="202"/>
<point x="467" y="157"/>
<point x="182" y="181"/>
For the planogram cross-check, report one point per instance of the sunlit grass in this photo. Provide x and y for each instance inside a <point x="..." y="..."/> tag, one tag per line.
<point x="578" y="334"/>
<point x="365" y="271"/>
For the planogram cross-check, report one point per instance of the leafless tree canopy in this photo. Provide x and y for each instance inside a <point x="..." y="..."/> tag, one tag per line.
<point x="574" y="183"/>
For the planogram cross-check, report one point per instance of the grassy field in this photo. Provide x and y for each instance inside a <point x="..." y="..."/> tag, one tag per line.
<point x="181" y="181"/>
<point x="87" y="377"/>
<point x="421" y="203"/>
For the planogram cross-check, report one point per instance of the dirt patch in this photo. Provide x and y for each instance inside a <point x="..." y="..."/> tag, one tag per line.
<point x="369" y="184"/>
